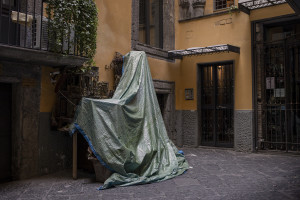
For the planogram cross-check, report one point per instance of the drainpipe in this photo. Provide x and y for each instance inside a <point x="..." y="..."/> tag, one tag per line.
<point x="254" y="95"/>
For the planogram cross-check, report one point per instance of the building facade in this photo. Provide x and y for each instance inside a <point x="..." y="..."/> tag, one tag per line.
<point x="226" y="74"/>
<point x="221" y="96"/>
<point x="29" y="147"/>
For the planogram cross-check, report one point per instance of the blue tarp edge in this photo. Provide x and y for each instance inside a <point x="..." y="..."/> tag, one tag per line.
<point x="77" y="127"/>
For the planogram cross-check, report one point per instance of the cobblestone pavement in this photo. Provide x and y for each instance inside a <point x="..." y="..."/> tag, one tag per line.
<point x="214" y="174"/>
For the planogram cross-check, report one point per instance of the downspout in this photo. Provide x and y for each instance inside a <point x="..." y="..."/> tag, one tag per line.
<point x="254" y="95"/>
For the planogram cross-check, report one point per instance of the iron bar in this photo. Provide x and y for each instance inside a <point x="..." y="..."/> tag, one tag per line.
<point x="9" y="21"/>
<point x="147" y="21"/>
<point x="33" y="21"/>
<point x="75" y="42"/>
<point x="298" y="100"/>
<point x="18" y="25"/>
<point x="286" y="77"/>
<point x="283" y="142"/>
<point x="161" y="42"/>
<point x="25" y="35"/>
<point x="62" y="40"/>
<point x="0" y="18"/>
<point x="254" y="86"/>
<point x="69" y="35"/>
<point x="78" y="45"/>
<point x="41" y="24"/>
<point x="48" y="31"/>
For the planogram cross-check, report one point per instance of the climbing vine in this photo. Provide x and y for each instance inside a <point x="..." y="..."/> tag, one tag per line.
<point x="72" y="27"/>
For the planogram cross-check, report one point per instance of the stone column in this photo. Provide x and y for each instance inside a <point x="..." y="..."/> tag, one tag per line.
<point x="198" y="7"/>
<point x="185" y="12"/>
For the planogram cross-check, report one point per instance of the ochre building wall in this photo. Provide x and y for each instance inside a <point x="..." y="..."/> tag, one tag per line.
<point x="114" y="34"/>
<point x="206" y="32"/>
<point x="48" y="95"/>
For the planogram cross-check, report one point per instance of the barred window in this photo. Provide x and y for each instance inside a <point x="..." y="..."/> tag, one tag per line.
<point x="151" y="22"/>
<point x="221" y="4"/>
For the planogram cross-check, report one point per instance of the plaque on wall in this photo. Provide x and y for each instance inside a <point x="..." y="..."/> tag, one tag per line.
<point x="270" y="82"/>
<point x="189" y="94"/>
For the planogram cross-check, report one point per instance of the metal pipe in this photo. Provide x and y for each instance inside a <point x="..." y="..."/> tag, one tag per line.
<point x="254" y="94"/>
<point x="9" y="21"/>
<point x="25" y="35"/>
<point x="285" y="86"/>
<point x="62" y="41"/>
<point x="161" y="27"/>
<point x="147" y="21"/>
<point x="69" y="35"/>
<point x="48" y="30"/>
<point x="41" y="26"/>
<point x="0" y="18"/>
<point x="75" y="46"/>
<point x="18" y="25"/>
<point x="34" y="21"/>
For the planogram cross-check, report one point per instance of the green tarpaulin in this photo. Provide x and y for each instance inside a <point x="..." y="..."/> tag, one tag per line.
<point x="127" y="133"/>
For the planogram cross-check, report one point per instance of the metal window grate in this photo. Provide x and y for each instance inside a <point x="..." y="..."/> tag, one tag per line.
<point x="34" y="32"/>
<point x="278" y="88"/>
<point x="221" y="4"/>
<point x="24" y="24"/>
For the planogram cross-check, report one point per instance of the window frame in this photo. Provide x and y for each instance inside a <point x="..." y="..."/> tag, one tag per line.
<point x="148" y="25"/>
<point x="168" y="31"/>
<point x="221" y="9"/>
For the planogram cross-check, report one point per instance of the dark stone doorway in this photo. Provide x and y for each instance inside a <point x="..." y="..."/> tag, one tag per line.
<point x="162" y="101"/>
<point x="165" y="92"/>
<point x="5" y="131"/>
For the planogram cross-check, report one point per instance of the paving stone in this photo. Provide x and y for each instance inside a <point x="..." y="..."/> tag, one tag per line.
<point x="215" y="174"/>
<point x="51" y="197"/>
<point x="186" y="181"/>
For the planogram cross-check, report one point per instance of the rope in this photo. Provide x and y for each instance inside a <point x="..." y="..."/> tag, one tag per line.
<point x="67" y="98"/>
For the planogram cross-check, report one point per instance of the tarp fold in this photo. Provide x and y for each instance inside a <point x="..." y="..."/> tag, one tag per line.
<point x="127" y="133"/>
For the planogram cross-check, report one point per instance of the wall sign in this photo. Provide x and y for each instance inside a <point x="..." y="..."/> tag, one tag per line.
<point x="189" y="94"/>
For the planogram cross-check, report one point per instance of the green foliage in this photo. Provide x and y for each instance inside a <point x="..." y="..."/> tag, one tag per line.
<point x="233" y="8"/>
<point x="79" y="16"/>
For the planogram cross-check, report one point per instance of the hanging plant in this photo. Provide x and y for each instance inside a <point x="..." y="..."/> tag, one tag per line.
<point x="72" y="27"/>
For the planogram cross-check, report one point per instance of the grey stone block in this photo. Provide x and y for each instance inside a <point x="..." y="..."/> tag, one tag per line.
<point x="190" y="128"/>
<point x="243" y="130"/>
<point x="178" y="128"/>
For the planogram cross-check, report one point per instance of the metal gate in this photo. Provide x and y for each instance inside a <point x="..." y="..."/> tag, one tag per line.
<point x="216" y="102"/>
<point x="281" y="102"/>
<point x="279" y="109"/>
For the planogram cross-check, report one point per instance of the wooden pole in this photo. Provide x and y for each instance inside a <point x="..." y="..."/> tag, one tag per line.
<point x="75" y="156"/>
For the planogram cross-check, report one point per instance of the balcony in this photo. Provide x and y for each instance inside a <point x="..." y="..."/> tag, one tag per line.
<point x="24" y="36"/>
